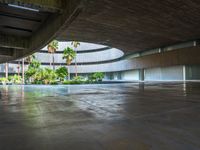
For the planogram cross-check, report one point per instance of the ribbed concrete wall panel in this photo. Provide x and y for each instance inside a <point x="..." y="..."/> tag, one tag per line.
<point x="130" y="75"/>
<point x="193" y="72"/>
<point x="83" y="57"/>
<point x="166" y="73"/>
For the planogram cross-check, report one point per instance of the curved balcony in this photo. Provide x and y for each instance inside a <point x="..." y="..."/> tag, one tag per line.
<point x="87" y="53"/>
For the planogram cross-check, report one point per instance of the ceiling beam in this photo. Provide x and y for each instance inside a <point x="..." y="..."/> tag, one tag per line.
<point x="6" y="52"/>
<point x="7" y="41"/>
<point x="54" y="25"/>
<point x="42" y="5"/>
<point x="49" y="30"/>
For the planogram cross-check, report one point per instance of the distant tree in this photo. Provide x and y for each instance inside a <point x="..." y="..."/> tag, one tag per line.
<point x="96" y="77"/>
<point x="45" y="75"/>
<point x="61" y="73"/>
<point x="52" y="48"/>
<point x="30" y="58"/>
<point x="75" y="45"/>
<point x="69" y="54"/>
<point x="33" y="68"/>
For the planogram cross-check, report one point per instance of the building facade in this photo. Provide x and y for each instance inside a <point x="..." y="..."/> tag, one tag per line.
<point x="114" y="63"/>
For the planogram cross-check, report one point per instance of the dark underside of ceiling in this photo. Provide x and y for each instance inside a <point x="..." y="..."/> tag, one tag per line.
<point x="20" y="22"/>
<point x="130" y="25"/>
<point x="136" y="25"/>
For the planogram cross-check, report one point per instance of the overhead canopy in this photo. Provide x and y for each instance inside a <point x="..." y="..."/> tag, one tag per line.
<point x="130" y="25"/>
<point x="136" y="25"/>
<point x="28" y="25"/>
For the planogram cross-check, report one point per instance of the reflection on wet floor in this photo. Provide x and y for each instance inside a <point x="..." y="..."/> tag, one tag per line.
<point x="126" y="116"/>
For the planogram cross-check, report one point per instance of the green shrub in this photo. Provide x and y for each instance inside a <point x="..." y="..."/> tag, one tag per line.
<point x="96" y="77"/>
<point x="53" y="82"/>
<point x="33" y="68"/>
<point x="15" y="79"/>
<point x="61" y="73"/>
<point x="45" y="75"/>
<point x="78" y="78"/>
<point x="38" y="82"/>
<point x="3" y="80"/>
<point x="72" y="82"/>
<point x="66" y="82"/>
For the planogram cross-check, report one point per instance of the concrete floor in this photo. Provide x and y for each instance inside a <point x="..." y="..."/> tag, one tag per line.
<point x="150" y="116"/>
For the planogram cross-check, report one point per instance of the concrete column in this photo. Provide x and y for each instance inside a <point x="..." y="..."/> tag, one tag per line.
<point x="160" y="50"/>
<point x="184" y="73"/>
<point x="141" y="74"/>
<point x="194" y="43"/>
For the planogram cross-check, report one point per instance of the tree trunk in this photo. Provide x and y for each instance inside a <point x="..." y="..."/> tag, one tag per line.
<point x="6" y="70"/>
<point x="76" y="74"/>
<point x="18" y="69"/>
<point x="50" y="61"/>
<point x="53" y="61"/>
<point x="23" y="71"/>
<point x="68" y="72"/>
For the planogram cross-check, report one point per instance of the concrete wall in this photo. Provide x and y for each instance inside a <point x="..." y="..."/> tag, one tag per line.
<point x="166" y="73"/>
<point x="192" y="72"/>
<point x="150" y="74"/>
<point x="105" y="55"/>
<point x="130" y="75"/>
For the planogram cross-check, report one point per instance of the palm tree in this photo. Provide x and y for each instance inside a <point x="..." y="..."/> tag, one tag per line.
<point x="30" y="58"/>
<point x="69" y="54"/>
<point x="75" y="45"/>
<point x="52" y="47"/>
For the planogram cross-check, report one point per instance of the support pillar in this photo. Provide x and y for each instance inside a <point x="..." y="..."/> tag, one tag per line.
<point x="141" y="74"/>
<point x="184" y="73"/>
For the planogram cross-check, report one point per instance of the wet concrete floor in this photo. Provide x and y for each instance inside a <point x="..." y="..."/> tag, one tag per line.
<point x="129" y="116"/>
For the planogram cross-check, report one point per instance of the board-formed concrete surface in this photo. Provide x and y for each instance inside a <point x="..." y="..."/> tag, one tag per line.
<point x="128" y="116"/>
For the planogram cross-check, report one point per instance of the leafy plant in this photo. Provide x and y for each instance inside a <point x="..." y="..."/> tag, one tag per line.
<point x="72" y="82"/>
<point x="69" y="54"/>
<point x="78" y="78"/>
<point x="75" y="80"/>
<point x="30" y="58"/>
<point x="61" y="73"/>
<point x="33" y="68"/>
<point x="45" y="75"/>
<point x="3" y="80"/>
<point x="75" y="45"/>
<point x="52" y="47"/>
<point x="96" y="77"/>
<point x="15" y="79"/>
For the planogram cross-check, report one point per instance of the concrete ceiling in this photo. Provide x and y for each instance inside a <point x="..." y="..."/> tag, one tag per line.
<point x="136" y="25"/>
<point x="130" y="25"/>
<point x="28" y="25"/>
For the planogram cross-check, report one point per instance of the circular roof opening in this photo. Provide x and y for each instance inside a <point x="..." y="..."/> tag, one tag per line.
<point x="89" y="52"/>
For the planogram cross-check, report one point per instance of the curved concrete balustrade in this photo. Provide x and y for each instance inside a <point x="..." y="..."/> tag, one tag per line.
<point x="92" y="57"/>
<point x="184" y="56"/>
<point x="140" y="68"/>
<point x="84" y="46"/>
<point x="90" y="53"/>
